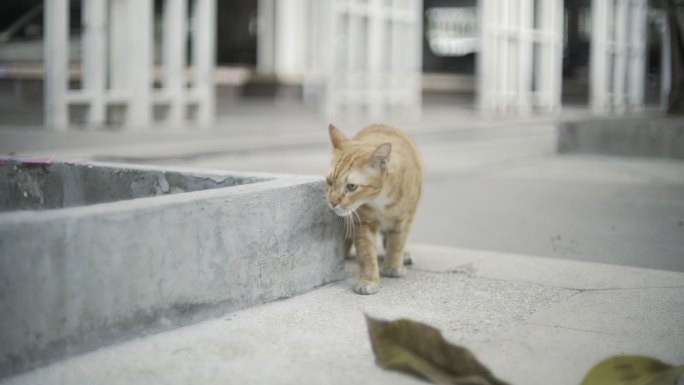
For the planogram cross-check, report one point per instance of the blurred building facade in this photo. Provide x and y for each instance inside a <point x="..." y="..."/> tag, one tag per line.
<point x="372" y="57"/>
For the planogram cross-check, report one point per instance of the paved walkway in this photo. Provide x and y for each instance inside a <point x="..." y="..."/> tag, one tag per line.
<point x="533" y="321"/>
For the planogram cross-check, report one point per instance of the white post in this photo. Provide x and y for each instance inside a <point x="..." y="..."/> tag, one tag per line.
<point x="486" y="56"/>
<point x="118" y="45"/>
<point x="599" y="48"/>
<point x="665" y="64"/>
<point x="525" y="42"/>
<point x="417" y="70"/>
<point x="637" y="58"/>
<point x="505" y="49"/>
<point x="204" y="60"/>
<point x="329" y="49"/>
<point x="557" y="55"/>
<point x="56" y="19"/>
<point x="266" y="36"/>
<point x="621" y="51"/>
<point x="174" y="58"/>
<point x="94" y="19"/>
<point x="291" y="38"/>
<point x="547" y="61"/>
<point x="374" y="53"/>
<point x="139" y="72"/>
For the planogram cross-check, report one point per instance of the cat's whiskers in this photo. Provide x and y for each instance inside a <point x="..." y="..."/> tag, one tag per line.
<point x="347" y="227"/>
<point x="357" y="217"/>
<point x="349" y="218"/>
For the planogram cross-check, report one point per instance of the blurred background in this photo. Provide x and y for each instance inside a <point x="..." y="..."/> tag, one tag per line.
<point x="343" y="56"/>
<point x="489" y="90"/>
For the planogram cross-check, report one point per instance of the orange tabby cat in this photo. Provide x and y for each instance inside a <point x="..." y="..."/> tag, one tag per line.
<point x="375" y="183"/>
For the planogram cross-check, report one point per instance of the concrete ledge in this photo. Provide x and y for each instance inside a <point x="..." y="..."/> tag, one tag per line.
<point x="645" y="137"/>
<point x="79" y="278"/>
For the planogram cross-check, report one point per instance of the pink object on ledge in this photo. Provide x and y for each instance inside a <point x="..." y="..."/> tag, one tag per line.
<point x="37" y="160"/>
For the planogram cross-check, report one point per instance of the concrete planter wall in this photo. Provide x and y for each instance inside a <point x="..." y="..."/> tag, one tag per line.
<point x="77" y="278"/>
<point x="653" y="137"/>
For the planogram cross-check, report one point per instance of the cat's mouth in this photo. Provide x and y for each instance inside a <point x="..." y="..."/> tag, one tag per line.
<point x="341" y="211"/>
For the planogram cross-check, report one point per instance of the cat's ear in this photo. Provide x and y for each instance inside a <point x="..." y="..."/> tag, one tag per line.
<point x="381" y="156"/>
<point x="337" y="137"/>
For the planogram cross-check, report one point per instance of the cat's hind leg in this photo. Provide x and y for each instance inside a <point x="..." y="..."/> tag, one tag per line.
<point x="395" y="239"/>
<point x="407" y="257"/>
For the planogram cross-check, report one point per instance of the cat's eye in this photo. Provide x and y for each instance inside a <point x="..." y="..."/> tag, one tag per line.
<point x="352" y="187"/>
<point x="328" y="181"/>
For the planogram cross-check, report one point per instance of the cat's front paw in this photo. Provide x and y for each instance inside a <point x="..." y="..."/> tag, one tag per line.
<point x="393" y="272"/>
<point x="367" y="287"/>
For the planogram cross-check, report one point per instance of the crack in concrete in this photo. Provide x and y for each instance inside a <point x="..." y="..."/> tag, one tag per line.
<point x="578" y="329"/>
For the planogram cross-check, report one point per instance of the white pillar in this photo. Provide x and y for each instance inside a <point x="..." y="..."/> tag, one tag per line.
<point x="416" y="33"/>
<point x="525" y="41"/>
<point x="56" y="62"/>
<point x="618" y="84"/>
<point x="94" y="39"/>
<point x="291" y="38"/>
<point x="637" y="58"/>
<point x="507" y="62"/>
<point x="486" y="57"/>
<point x="174" y="58"/>
<point x="118" y="45"/>
<point x="621" y="50"/>
<point x="665" y="65"/>
<point x="556" y="90"/>
<point x="204" y="60"/>
<point x="266" y="36"/>
<point x="374" y="56"/>
<point x="599" y="97"/>
<point x="139" y="18"/>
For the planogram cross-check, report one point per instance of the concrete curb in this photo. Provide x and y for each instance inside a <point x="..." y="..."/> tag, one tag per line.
<point x="76" y="279"/>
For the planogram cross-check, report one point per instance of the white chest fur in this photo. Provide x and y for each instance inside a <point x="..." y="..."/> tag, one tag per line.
<point x="379" y="202"/>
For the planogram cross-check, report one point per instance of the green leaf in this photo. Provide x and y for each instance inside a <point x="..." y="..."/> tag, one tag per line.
<point x="632" y="370"/>
<point x="420" y="349"/>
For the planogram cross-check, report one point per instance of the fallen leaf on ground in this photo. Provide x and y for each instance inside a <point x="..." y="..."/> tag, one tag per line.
<point x="420" y="349"/>
<point x="633" y="370"/>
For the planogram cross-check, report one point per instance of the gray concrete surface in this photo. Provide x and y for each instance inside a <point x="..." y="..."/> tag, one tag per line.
<point x="656" y="137"/>
<point x="536" y="327"/>
<point x="507" y="189"/>
<point x="51" y="185"/>
<point x="78" y="278"/>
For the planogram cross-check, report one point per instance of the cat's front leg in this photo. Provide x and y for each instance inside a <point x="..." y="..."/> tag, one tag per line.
<point x="395" y="240"/>
<point x="366" y="254"/>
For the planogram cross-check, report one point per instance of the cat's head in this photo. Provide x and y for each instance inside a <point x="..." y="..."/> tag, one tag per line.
<point x="356" y="173"/>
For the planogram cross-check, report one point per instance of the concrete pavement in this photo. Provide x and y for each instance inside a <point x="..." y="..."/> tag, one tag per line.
<point x="531" y="320"/>
<point x="532" y="309"/>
